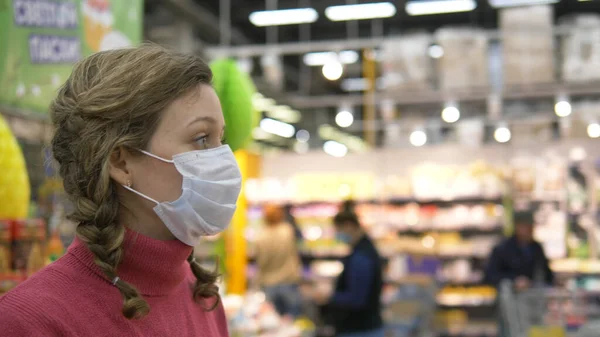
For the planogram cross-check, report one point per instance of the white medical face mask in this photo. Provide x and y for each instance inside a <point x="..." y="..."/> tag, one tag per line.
<point x="211" y="185"/>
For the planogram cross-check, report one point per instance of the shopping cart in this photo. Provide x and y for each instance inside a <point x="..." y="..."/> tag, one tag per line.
<point x="549" y="312"/>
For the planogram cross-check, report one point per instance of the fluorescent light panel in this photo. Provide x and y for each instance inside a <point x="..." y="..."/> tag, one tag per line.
<point x="415" y="8"/>
<point x="517" y="3"/>
<point x="361" y="11"/>
<point x="335" y="149"/>
<point x="278" y="128"/>
<point x="284" y="17"/>
<point x="321" y="58"/>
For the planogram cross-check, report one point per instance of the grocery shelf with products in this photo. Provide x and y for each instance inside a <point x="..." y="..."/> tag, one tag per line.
<point x="438" y="220"/>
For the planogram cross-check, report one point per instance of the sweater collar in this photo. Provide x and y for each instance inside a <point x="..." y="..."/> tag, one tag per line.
<point x="153" y="266"/>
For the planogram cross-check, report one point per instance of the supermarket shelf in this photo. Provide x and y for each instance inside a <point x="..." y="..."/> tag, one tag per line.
<point x="490" y="330"/>
<point x="401" y="200"/>
<point x="466" y="304"/>
<point x="530" y="91"/>
<point x="498" y="228"/>
<point x="441" y="201"/>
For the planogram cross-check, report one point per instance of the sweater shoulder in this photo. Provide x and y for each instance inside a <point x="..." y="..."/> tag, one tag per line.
<point x="31" y="306"/>
<point x="38" y="304"/>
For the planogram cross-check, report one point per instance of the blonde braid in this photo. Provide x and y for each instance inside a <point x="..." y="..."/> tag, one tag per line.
<point x="205" y="286"/>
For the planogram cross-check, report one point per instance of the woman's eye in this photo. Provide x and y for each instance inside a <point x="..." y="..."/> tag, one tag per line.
<point x="202" y="141"/>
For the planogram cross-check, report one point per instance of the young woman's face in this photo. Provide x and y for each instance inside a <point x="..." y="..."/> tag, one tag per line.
<point x="193" y="122"/>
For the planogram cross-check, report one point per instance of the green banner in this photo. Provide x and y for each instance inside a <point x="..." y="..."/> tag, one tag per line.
<point x="40" y="40"/>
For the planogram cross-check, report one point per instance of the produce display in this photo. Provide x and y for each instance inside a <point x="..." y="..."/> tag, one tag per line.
<point x="235" y="89"/>
<point x="14" y="183"/>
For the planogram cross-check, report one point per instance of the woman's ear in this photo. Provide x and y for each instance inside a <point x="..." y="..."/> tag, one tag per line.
<point x="118" y="165"/>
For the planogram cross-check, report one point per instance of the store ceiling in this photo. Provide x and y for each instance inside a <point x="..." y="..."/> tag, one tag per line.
<point x="483" y="16"/>
<point x="204" y="14"/>
<point x="244" y="33"/>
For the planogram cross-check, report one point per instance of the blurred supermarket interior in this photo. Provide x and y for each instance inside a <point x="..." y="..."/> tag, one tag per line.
<point x="440" y="119"/>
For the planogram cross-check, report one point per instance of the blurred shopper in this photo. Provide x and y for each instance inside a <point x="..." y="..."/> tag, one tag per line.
<point x="279" y="267"/>
<point x="348" y="206"/>
<point x="355" y="302"/>
<point x="138" y="139"/>
<point x="520" y="258"/>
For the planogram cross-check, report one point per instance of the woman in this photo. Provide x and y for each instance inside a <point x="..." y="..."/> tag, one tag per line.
<point x="279" y="265"/>
<point x="138" y="139"/>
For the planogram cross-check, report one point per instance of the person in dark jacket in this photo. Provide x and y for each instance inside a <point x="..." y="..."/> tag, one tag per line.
<point x="356" y="299"/>
<point x="520" y="258"/>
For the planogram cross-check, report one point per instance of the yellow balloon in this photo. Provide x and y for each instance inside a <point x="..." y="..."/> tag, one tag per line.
<point x="14" y="181"/>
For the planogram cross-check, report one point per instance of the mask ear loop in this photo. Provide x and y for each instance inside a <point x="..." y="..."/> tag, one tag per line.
<point x="128" y="186"/>
<point x="140" y="194"/>
<point x="157" y="157"/>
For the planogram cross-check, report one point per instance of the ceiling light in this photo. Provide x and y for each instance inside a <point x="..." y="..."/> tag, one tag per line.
<point x="415" y="8"/>
<point x="344" y="118"/>
<point x="335" y="149"/>
<point x="322" y="58"/>
<point x="562" y="108"/>
<point x="450" y="114"/>
<point x="436" y="51"/>
<point x="502" y="134"/>
<point x="277" y="128"/>
<point x="284" y="17"/>
<point x="333" y="70"/>
<point x="361" y="11"/>
<point x="516" y="3"/>
<point x="418" y="138"/>
<point x="303" y="136"/>
<point x="593" y="130"/>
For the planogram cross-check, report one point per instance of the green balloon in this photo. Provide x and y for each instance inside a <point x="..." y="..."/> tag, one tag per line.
<point x="235" y="90"/>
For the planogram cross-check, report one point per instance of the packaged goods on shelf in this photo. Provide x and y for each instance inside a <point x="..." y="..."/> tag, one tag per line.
<point x="528" y="44"/>
<point x="465" y="60"/>
<point x="22" y="250"/>
<point x="6" y="281"/>
<point x="29" y="237"/>
<point x="581" y="48"/>
<point x="466" y="296"/>
<point x="406" y="64"/>
<point x="431" y="181"/>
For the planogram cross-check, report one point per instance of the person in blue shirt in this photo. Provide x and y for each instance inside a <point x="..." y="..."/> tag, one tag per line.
<point x="356" y="300"/>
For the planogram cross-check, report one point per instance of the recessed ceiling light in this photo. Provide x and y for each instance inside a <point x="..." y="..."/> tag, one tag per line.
<point x="344" y="118"/>
<point x="333" y="70"/>
<point x="450" y="114"/>
<point x="502" y="134"/>
<point x="418" y="138"/>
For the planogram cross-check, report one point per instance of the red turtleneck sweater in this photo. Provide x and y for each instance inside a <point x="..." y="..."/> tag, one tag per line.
<point x="72" y="297"/>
